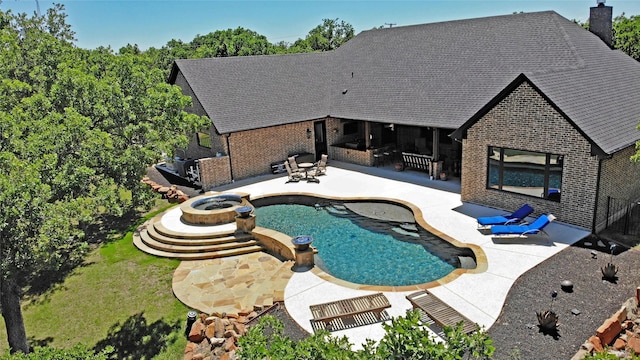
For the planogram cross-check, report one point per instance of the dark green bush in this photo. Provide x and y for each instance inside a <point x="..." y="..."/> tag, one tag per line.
<point x="405" y="338"/>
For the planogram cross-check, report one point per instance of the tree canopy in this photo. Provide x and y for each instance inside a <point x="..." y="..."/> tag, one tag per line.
<point x="329" y="35"/>
<point x="626" y="35"/>
<point x="78" y="129"/>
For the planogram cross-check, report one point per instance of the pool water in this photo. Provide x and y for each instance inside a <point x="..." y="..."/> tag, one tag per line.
<point x="364" y="250"/>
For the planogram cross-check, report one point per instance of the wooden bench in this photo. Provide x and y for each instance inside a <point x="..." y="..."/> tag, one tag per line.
<point x="417" y="161"/>
<point x="347" y="313"/>
<point x="441" y="313"/>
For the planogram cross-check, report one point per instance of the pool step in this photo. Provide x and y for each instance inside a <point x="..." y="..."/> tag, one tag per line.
<point x="402" y="231"/>
<point x="195" y="256"/>
<point x="161" y="229"/>
<point x="337" y="209"/>
<point x="196" y="246"/>
<point x="217" y="239"/>
<point x="149" y="240"/>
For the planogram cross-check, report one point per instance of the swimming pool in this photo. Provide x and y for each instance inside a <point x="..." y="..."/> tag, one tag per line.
<point x="363" y="249"/>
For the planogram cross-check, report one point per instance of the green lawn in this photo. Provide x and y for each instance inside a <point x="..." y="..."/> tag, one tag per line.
<point x="120" y="297"/>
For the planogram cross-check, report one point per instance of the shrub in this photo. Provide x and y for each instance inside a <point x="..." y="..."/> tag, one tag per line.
<point x="405" y="338"/>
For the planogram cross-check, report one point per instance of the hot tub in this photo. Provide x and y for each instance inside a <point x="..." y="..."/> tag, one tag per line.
<point x="213" y="209"/>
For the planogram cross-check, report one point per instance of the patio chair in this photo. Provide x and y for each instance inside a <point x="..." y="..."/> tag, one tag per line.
<point x="294" y="176"/>
<point x="349" y="313"/>
<point x="293" y="164"/>
<point x="321" y="166"/>
<point x="523" y="230"/>
<point x="312" y="174"/>
<point x="506" y="219"/>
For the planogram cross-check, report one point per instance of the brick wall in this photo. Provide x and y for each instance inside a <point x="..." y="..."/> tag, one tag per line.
<point x="253" y="151"/>
<point x="525" y="120"/>
<point x="360" y="157"/>
<point x="335" y="135"/>
<point x="619" y="178"/>
<point x="214" y="171"/>
<point x="218" y="143"/>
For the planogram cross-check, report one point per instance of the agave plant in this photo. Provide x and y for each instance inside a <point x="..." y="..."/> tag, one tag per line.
<point x="609" y="271"/>
<point x="547" y="320"/>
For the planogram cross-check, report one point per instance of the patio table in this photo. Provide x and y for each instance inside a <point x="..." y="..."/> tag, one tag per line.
<point x="305" y="166"/>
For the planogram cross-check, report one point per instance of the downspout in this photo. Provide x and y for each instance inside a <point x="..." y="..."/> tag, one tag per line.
<point x="226" y="136"/>
<point x="595" y="209"/>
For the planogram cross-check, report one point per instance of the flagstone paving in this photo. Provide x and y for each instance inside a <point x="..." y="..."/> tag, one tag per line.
<point x="234" y="284"/>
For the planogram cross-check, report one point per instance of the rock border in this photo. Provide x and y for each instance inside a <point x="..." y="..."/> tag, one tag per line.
<point x="618" y="335"/>
<point x="214" y="336"/>
<point x="171" y="193"/>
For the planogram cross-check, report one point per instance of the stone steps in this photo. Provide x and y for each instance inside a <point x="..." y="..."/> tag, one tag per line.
<point x="183" y="240"/>
<point x="196" y="246"/>
<point x="155" y="239"/>
<point x="137" y="241"/>
<point x="161" y="229"/>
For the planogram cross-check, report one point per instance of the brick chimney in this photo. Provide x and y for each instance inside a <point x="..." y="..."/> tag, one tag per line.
<point x="601" y="22"/>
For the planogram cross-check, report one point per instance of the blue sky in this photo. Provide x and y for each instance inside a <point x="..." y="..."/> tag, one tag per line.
<point x="150" y="23"/>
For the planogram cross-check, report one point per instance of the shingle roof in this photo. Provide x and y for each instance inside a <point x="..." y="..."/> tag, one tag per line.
<point x="249" y="92"/>
<point x="436" y="75"/>
<point x="603" y="99"/>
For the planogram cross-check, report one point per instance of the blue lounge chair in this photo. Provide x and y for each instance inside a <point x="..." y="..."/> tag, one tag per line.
<point x="524" y="229"/>
<point x="506" y="219"/>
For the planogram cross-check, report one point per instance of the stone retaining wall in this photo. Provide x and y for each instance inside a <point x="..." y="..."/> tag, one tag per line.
<point x="618" y="335"/>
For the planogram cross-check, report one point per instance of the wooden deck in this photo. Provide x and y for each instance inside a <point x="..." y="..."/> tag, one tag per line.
<point x="348" y="313"/>
<point x="441" y="313"/>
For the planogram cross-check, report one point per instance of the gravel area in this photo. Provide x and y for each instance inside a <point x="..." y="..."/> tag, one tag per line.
<point x="515" y="333"/>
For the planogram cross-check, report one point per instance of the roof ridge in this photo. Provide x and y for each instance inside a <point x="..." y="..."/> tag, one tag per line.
<point x="581" y="64"/>
<point x="253" y="57"/>
<point x="482" y="18"/>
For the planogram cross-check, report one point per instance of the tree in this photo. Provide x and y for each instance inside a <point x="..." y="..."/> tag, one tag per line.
<point x="626" y="35"/>
<point x="329" y="35"/>
<point x="78" y="129"/>
<point x="221" y="43"/>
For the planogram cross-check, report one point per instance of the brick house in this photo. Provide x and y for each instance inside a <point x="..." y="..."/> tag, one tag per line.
<point x="524" y="108"/>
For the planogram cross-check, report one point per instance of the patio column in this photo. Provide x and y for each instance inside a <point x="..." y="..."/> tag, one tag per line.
<point x="436" y="143"/>
<point x="367" y="134"/>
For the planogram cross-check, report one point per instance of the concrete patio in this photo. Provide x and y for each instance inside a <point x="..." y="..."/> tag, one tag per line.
<point x="478" y="296"/>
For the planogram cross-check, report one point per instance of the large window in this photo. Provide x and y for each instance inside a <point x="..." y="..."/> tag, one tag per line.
<point x="525" y="172"/>
<point x="204" y="139"/>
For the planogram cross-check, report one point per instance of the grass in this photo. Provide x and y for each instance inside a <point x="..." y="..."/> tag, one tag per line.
<point x="120" y="297"/>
